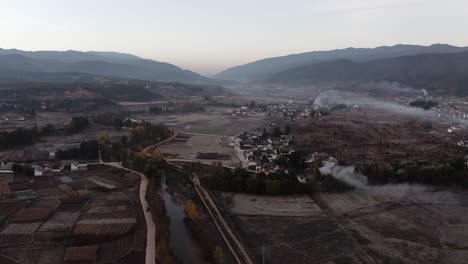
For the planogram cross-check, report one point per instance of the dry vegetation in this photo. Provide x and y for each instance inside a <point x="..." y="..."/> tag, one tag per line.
<point x="369" y="135"/>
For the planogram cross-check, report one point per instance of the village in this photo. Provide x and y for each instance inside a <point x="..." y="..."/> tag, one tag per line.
<point x="288" y="111"/>
<point x="259" y="152"/>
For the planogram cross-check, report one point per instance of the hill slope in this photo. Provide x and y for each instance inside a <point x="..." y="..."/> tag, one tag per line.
<point x="446" y="73"/>
<point x="110" y="64"/>
<point x="264" y="69"/>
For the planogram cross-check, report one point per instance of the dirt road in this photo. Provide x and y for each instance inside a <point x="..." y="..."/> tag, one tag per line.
<point x="150" y="226"/>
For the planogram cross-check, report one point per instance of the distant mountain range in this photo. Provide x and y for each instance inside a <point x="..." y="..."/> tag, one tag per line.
<point x="18" y="65"/>
<point x="443" y="73"/>
<point x="438" y="67"/>
<point x="267" y="68"/>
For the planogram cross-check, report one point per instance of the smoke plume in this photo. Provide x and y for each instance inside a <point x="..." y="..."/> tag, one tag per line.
<point x="386" y="86"/>
<point x="336" y="97"/>
<point x="348" y="175"/>
<point x="345" y="174"/>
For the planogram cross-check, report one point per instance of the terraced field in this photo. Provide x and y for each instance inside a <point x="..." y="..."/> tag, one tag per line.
<point x="74" y="220"/>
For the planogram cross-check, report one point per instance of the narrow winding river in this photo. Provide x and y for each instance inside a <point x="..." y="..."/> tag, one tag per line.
<point x="184" y="247"/>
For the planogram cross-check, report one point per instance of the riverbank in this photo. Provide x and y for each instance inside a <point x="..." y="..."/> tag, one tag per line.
<point x="196" y="229"/>
<point x="158" y="211"/>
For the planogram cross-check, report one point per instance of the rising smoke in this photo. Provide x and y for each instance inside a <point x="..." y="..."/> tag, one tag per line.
<point x="337" y="97"/>
<point x="347" y="174"/>
<point x="350" y="176"/>
<point x="386" y="86"/>
<point x="424" y="92"/>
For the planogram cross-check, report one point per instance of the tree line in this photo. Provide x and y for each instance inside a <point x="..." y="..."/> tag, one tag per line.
<point x="24" y="136"/>
<point x="453" y="172"/>
<point x="241" y="181"/>
<point x="147" y="134"/>
<point x="17" y="137"/>
<point x="87" y="150"/>
<point x="77" y="124"/>
<point x="150" y="165"/>
<point x="118" y="150"/>
<point x="23" y="169"/>
<point x="424" y="104"/>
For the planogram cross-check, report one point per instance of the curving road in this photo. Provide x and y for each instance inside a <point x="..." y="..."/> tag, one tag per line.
<point x="150" y="257"/>
<point x="150" y="226"/>
<point x="174" y="135"/>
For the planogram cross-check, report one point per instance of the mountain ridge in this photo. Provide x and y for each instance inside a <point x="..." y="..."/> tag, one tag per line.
<point x="108" y="64"/>
<point x="435" y="72"/>
<point x="264" y="68"/>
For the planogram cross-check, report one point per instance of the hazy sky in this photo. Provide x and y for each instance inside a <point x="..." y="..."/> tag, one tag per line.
<point x="207" y="36"/>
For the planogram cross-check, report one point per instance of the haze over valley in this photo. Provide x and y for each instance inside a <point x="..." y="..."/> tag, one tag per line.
<point x="246" y="132"/>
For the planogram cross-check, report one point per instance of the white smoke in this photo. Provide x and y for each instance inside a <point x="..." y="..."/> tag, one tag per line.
<point x="386" y="86"/>
<point x="336" y="97"/>
<point x="348" y="175"/>
<point x="345" y="174"/>
<point x="424" y="92"/>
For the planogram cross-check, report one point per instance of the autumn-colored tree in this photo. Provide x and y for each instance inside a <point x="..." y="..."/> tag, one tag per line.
<point x="157" y="155"/>
<point x="104" y="139"/>
<point x="137" y="133"/>
<point x="139" y="160"/>
<point x="192" y="211"/>
<point x="105" y="146"/>
<point x="218" y="255"/>
<point x="314" y="169"/>
<point x="143" y="152"/>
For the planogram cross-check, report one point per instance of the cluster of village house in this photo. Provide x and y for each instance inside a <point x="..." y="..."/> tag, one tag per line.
<point x="259" y="152"/>
<point x="294" y="111"/>
<point x="20" y="189"/>
<point x="41" y="170"/>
